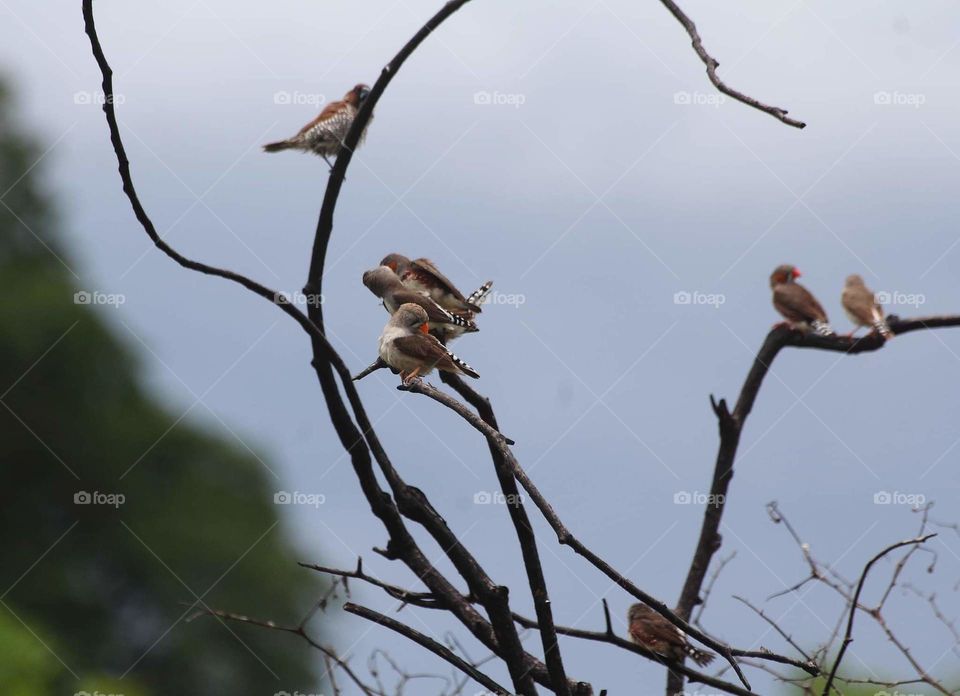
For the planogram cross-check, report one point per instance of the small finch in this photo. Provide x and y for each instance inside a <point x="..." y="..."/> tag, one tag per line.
<point x="652" y="631"/>
<point x="406" y="345"/>
<point x="422" y="276"/>
<point x="325" y="134"/>
<point x="862" y="308"/>
<point x="797" y="305"/>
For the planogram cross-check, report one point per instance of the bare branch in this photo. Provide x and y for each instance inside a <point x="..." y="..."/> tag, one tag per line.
<point x="712" y="65"/>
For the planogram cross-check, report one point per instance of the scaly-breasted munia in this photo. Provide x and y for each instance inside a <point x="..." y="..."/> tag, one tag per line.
<point x="324" y="135"/>
<point x="386" y="285"/>
<point x="797" y="305"/>
<point x="652" y="631"/>
<point x="423" y="277"/>
<point x="862" y="307"/>
<point x="407" y="345"/>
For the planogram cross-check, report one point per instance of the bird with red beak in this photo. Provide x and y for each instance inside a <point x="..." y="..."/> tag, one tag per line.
<point x="324" y="135"/>
<point x="406" y="345"/>
<point x="797" y="304"/>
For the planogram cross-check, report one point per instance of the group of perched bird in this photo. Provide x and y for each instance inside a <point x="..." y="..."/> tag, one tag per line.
<point x="801" y="309"/>
<point x="427" y="311"/>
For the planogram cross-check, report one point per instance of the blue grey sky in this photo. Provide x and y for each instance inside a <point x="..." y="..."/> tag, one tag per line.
<point x="605" y="177"/>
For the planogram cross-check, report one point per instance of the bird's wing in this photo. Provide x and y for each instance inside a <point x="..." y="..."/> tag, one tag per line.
<point x="426" y="349"/>
<point x="435" y="313"/>
<point x="426" y="266"/>
<point x="329" y="119"/>
<point x="796" y="303"/>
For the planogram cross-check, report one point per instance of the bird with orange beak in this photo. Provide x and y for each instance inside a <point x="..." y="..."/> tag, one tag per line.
<point x="797" y="304"/>
<point x="325" y="134"/>
<point x="406" y="345"/>
<point x="421" y="275"/>
<point x="386" y="285"/>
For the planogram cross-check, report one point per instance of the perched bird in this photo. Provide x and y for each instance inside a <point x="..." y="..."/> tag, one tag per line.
<point x="797" y="305"/>
<point x="652" y="631"/>
<point x="407" y="345"/>
<point x="423" y="277"/>
<point x="386" y="285"/>
<point x="862" y="307"/>
<point x="324" y="135"/>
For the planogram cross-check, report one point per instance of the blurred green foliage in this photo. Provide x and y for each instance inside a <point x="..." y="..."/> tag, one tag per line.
<point x="95" y="597"/>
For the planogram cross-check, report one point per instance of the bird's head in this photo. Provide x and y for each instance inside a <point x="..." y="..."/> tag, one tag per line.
<point x="784" y="273"/>
<point x="854" y="280"/>
<point x="412" y="317"/>
<point x="398" y="263"/>
<point x="359" y="93"/>
<point x="381" y="279"/>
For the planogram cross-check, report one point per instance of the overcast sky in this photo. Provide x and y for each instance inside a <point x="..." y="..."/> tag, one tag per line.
<point x="604" y="177"/>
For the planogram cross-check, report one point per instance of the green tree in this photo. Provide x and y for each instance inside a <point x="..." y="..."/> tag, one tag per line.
<point x="94" y="596"/>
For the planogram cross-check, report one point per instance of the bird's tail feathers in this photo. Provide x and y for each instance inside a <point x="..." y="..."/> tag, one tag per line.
<point x="822" y="328"/>
<point x="883" y="328"/>
<point x="479" y="296"/>
<point x="701" y="657"/>
<point x="463" y="367"/>
<point x="279" y="146"/>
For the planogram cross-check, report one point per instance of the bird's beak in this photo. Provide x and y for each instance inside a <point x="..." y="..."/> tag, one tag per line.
<point x="796" y="273"/>
<point x="424" y="328"/>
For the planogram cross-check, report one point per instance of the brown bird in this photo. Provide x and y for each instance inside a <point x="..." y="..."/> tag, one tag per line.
<point x="652" y="631"/>
<point x="386" y="285"/>
<point x="862" y="307"/>
<point x="422" y="276"/>
<point x="797" y="305"/>
<point x="406" y="345"/>
<point x="324" y="135"/>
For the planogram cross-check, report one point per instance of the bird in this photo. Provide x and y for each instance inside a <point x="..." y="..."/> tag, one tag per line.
<point x="862" y="307"/>
<point x="407" y="345"/>
<point x="654" y="632"/>
<point x="423" y="277"/>
<point x="325" y="134"/>
<point x="797" y="305"/>
<point x="386" y="285"/>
